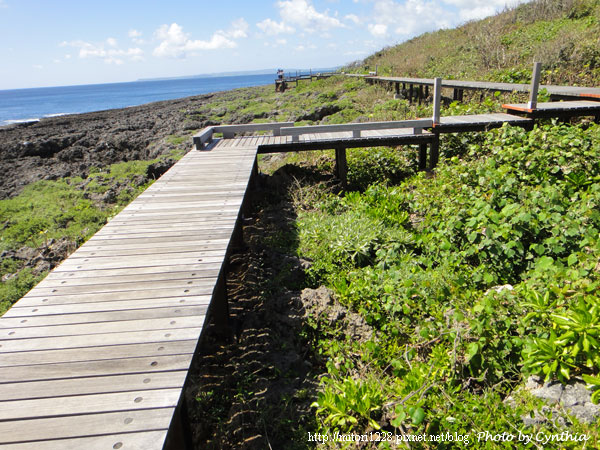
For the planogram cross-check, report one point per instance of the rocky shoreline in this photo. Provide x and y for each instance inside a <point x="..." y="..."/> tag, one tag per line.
<point x="70" y="145"/>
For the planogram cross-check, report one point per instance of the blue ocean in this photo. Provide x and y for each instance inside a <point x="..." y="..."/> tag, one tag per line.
<point x="26" y="105"/>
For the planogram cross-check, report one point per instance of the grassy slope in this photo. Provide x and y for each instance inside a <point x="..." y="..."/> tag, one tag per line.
<point x="563" y="35"/>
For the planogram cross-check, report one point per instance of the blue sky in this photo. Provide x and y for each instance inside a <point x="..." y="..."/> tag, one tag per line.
<point x="60" y="42"/>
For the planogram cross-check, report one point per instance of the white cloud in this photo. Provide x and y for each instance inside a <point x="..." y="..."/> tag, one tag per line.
<point x="378" y="29"/>
<point x="239" y="29"/>
<point x="271" y="27"/>
<point x="408" y="18"/>
<point x="303" y="14"/>
<point x="478" y="9"/>
<point x="175" y="43"/>
<point x="136" y="36"/>
<point x="356" y="53"/>
<point x="3" y="4"/>
<point x="111" y="55"/>
<point x="302" y="47"/>
<point x="37" y="67"/>
<point x="353" y="18"/>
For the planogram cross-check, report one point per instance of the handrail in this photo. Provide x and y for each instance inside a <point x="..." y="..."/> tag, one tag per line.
<point x="229" y="131"/>
<point x="356" y="128"/>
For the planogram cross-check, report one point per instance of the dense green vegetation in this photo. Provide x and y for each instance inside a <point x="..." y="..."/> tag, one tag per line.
<point x="473" y="280"/>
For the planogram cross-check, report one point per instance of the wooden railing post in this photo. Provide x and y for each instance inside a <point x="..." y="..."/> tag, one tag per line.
<point x="437" y="98"/>
<point x="422" y="157"/>
<point x="341" y="166"/>
<point x="535" y="84"/>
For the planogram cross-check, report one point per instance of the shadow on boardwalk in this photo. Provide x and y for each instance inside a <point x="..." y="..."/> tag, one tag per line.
<point x="254" y="390"/>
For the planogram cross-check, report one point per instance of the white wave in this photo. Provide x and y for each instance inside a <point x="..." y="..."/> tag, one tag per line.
<point x="15" y="121"/>
<point x="57" y="114"/>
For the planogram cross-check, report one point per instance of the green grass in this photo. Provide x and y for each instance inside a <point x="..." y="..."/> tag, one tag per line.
<point x="68" y="208"/>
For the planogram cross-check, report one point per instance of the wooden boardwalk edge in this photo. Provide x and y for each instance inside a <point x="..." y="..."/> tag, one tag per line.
<point x="98" y="354"/>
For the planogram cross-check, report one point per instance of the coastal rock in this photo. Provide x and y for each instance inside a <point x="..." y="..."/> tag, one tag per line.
<point x="572" y="397"/>
<point x="69" y="145"/>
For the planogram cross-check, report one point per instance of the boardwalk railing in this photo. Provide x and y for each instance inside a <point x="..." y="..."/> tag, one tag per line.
<point x="356" y="128"/>
<point x="229" y="131"/>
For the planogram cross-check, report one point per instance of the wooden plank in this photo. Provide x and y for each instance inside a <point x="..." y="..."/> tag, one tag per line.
<point x="91" y="403"/>
<point x="130" y="441"/>
<point x="104" y="316"/>
<point x="190" y="238"/>
<point x="92" y="385"/>
<point x="294" y="131"/>
<point x="120" y="305"/>
<point x="133" y="261"/>
<point x="86" y="425"/>
<point x="110" y="352"/>
<point x="198" y="250"/>
<point x="165" y="230"/>
<point x="34" y="299"/>
<point x="141" y="249"/>
<point x="94" y="340"/>
<point x="106" y="367"/>
<point x="124" y="274"/>
<point x="71" y="286"/>
<point x="120" y="326"/>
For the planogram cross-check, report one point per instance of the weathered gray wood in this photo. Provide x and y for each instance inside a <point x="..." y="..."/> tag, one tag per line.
<point x="90" y="340"/>
<point x="130" y="441"/>
<point x="297" y="131"/>
<point x="202" y="138"/>
<point x="99" y="353"/>
<point x="130" y="274"/>
<point x="94" y="385"/>
<point x="562" y="91"/>
<point x="103" y="316"/>
<point x="92" y="403"/>
<point x="115" y="326"/>
<point x="437" y="97"/>
<point x="105" y="367"/>
<point x="119" y="326"/>
<point x="119" y="305"/>
<point x="86" y="425"/>
<point x="253" y="127"/>
<point x="535" y="84"/>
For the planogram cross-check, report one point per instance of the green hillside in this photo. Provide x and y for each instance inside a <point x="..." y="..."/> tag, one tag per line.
<point x="563" y="34"/>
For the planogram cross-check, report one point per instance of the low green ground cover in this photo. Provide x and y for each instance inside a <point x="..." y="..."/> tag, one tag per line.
<point x="473" y="280"/>
<point x="70" y="209"/>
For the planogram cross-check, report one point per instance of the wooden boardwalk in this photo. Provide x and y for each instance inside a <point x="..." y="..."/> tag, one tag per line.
<point x="563" y="110"/>
<point x="556" y="91"/>
<point x="96" y="356"/>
